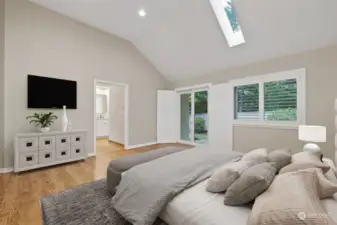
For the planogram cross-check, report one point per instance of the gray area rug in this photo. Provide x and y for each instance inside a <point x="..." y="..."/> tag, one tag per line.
<point x="88" y="204"/>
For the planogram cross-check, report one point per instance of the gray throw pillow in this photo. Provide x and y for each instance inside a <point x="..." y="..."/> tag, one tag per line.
<point x="282" y="157"/>
<point x="259" y="155"/>
<point x="226" y="175"/>
<point x="251" y="184"/>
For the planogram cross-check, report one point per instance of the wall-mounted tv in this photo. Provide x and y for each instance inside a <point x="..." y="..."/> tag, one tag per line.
<point x="51" y="93"/>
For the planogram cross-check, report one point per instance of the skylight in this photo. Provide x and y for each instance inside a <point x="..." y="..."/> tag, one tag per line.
<point x="226" y="15"/>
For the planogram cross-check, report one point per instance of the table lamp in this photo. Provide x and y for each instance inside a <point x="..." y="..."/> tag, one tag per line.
<point x="316" y="134"/>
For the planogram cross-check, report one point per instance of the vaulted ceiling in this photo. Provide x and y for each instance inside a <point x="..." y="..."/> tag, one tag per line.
<point x="182" y="38"/>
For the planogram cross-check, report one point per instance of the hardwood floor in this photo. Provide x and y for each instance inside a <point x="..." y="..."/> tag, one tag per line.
<point x="20" y="193"/>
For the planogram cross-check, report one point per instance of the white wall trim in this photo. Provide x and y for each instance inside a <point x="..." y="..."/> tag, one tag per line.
<point x="261" y="125"/>
<point x="92" y="154"/>
<point x="141" y="145"/>
<point x="198" y="87"/>
<point x="166" y="142"/>
<point x="6" y="170"/>
<point x="187" y="143"/>
<point x="126" y="109"/>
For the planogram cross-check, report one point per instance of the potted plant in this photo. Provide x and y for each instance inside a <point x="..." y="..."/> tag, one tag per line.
<point x="42" y="120"/>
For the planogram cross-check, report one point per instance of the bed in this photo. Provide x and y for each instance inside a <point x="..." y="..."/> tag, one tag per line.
<point x="193" y="206"/>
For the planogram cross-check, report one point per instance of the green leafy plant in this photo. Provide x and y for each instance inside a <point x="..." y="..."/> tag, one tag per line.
<point x="42" y="119"/>
<point x="200" y="126"/>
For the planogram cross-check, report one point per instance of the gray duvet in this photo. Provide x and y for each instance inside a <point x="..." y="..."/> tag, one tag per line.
<point x="146" y="189"/>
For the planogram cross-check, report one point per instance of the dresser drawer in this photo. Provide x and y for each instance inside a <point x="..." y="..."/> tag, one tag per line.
<point x="28" y="144"/>
<point x="77" y="139"/>
<point x="47" y="142"/>
<point x="77" y="151"/>
<point x="46" y="156"/>
<point x="62" y="154"/>
<point x="62" y="141"/>
<point x="28" y="159"/>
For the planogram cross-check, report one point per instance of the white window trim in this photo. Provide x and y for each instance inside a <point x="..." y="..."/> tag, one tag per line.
<point x="299" y="75"/>
<point x="199" y="87"/>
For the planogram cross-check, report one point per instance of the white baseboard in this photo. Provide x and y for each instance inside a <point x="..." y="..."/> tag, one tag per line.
<point x="141" y="145"/>
<point x="186" y="143"/>
<point x="6" y="170"/>
<point x="166" y="142"/>
<point x="92" y="154"/>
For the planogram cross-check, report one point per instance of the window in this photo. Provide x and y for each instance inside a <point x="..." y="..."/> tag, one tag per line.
<point x="247" y="102"/>
<point x="226" y="15"/>
<point x="280" y="100"/>
<point x="274" y="99"/>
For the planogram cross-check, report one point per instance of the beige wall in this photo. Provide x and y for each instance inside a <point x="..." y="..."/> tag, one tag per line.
<point x="42" y="42"/>
<point x="2" y="76"/>
<point x="321" y="90"/>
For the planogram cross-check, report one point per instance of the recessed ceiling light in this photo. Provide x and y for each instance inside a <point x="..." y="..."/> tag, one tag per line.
<point x="142" y="13"/>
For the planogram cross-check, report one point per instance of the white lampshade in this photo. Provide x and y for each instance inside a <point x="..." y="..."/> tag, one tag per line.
<point x="312" y="133"/>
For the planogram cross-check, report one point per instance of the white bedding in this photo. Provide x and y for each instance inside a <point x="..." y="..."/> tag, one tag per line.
<point x="196" y="206"/>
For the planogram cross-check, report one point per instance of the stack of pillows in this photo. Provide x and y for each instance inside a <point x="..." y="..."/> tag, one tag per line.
<point x="282" y="185"/>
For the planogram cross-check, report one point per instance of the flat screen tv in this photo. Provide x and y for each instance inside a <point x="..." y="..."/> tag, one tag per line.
<point x="51" y="93"/>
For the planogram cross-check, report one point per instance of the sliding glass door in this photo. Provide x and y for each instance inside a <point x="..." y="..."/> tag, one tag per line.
<point x="194" y="116"/>
<point x="201" y="117"/>
<point x="185" y="117"/>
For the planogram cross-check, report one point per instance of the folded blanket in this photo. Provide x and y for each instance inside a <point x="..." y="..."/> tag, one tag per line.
<point x="145" y="190"/>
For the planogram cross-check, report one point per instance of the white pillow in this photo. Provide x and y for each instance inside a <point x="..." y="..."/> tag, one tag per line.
<point x="226" y="175"/>
<point x="259" y="155"/>
<point x="331" y="174"/>
<point x="304" y="157"/>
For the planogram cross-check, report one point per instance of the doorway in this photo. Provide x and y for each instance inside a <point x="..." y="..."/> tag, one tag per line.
<point x="194" y="116"/>
<point x="110" y="116"/>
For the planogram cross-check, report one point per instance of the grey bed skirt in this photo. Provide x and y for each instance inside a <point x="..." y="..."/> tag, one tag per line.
<point x="88" y="204"/>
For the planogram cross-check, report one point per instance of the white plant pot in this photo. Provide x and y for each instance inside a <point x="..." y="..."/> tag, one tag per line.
<point x="44" y="129"/>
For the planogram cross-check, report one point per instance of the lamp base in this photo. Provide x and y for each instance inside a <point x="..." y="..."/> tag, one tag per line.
<point x="314" y="149"/>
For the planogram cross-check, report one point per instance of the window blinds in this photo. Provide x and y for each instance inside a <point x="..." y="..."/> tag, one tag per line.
<point x="279" y="101"/>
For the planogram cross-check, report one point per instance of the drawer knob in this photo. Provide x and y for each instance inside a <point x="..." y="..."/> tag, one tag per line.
<point x="47" y="142"/>
<point x="77" y="151"/>
<point x="77" y="139"/>
<point x="29" y="158"/>
<point x="29" y="144"/>
<point x="63" y="141"/>
<point x="47" y="156"/>
<point x="63" y="153"/>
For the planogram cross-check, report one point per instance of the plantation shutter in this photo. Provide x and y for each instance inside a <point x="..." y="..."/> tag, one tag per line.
<point x="247" y="102"/>
<point x="280" y="100"/>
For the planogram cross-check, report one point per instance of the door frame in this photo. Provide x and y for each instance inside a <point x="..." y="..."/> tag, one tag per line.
<point x="192" y="90"/>
<point x="126" y="109"/>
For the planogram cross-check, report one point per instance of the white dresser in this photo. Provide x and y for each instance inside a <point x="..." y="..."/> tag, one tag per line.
<point x="36" y="150"/>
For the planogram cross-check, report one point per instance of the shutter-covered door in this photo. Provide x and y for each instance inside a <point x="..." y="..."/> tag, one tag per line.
<point x="167" y="117"/>
<point x="221" y="112"/>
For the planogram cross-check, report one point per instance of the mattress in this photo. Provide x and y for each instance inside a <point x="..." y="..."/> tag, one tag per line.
<point x="195" y="206"/>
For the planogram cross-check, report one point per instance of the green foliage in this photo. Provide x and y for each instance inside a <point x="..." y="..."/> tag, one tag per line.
<point x="42" y="119"/>
<point x="285" y="91"/>
<point x="289" y="114"/>
<point x="199" y="125"/>
<point x="230" y="11"/>
<point x="200" y="104"/>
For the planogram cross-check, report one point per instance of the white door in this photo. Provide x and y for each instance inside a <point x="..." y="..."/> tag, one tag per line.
<point x="221" y="111"/>
<point x="167" y="117"/>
